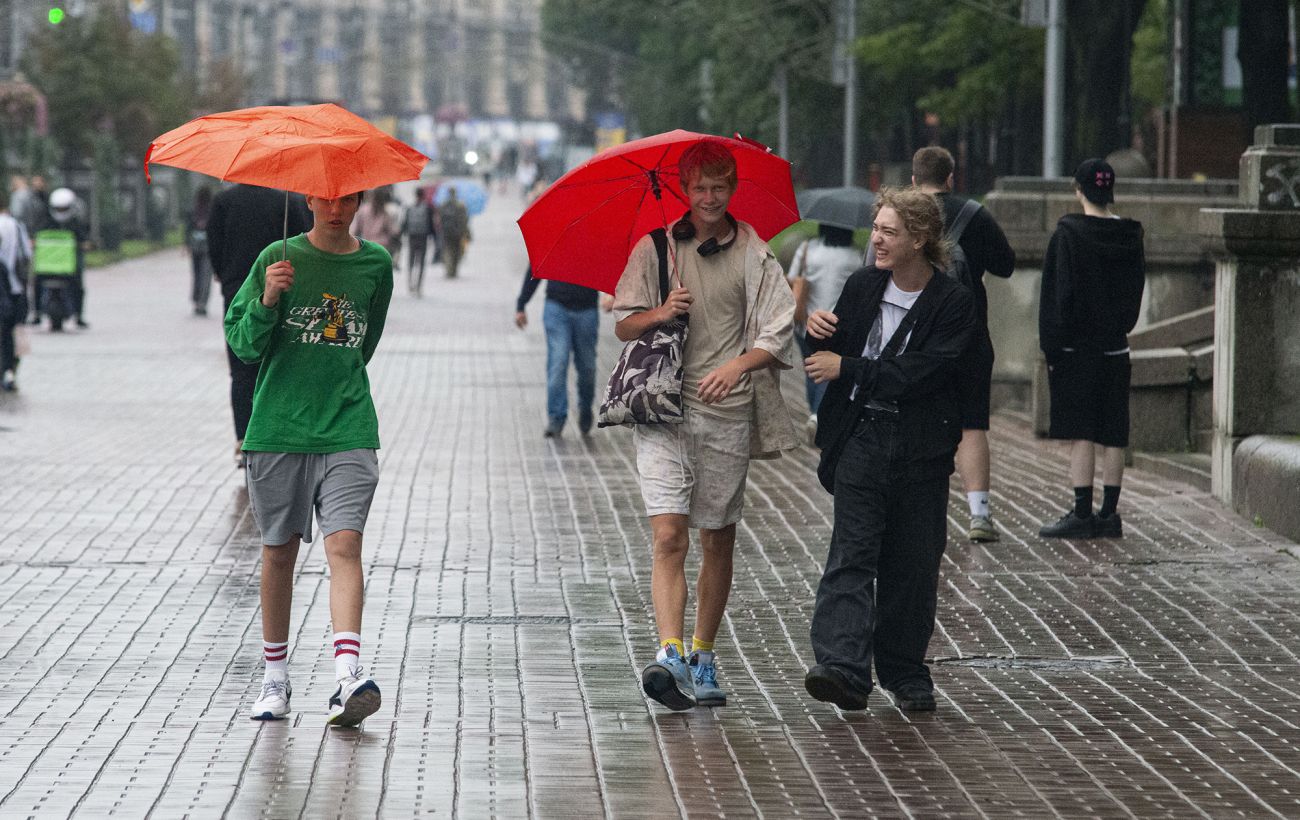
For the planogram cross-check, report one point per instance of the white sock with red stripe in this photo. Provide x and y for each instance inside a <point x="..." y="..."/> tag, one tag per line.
<point x="347" y="654"/>
<point x="276" y="656"/>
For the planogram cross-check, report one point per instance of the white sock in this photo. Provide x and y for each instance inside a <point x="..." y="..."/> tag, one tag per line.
<point x="276" y="657"/>
<point x="979" y="502"/>
<point x="347" y="654"/>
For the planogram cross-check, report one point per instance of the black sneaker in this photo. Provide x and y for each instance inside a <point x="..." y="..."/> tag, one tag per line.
<point x="914" y="697"/>
<point x="830" y="686"/>
<point x="1071" y="526"/>
<point x="1110" y="526"/>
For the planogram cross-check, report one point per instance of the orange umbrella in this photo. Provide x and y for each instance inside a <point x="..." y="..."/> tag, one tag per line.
<point x="322" y="150"/>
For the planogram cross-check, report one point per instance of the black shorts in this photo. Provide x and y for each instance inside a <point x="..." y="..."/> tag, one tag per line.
<point x="975" y="382"/>
<point x="1090" y="398"/>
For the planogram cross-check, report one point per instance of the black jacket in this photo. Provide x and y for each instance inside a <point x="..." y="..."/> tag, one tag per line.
<point x="986" y="248"/>
<point x="573" y="297"/>
<point x="1093" y="278"/>
<point x="243" y="221"/>
<point x="922" y="380"/>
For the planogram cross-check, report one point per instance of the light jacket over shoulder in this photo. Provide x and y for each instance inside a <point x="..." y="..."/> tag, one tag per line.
<point x="769" y="325"/>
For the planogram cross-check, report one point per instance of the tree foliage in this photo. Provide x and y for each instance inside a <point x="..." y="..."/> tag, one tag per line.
<point x="101" y="76"/>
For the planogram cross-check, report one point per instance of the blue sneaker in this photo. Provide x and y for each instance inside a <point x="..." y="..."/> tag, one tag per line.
<point x="669" y="682"/>
<point x="705" y="678"/>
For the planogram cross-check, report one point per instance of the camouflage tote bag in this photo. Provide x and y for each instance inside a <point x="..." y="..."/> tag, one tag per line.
<point x="646" y="385"/>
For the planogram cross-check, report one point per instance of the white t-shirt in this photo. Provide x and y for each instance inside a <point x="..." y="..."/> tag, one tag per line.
<point x="826" y="268"/>
<point x="894" y="305"/>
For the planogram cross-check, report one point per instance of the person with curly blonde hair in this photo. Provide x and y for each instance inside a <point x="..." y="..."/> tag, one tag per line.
<point x="888" y="427"/>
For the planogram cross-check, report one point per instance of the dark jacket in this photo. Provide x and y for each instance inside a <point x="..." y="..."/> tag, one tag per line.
<point x="244" y="220"/>
<point x="1093" y="278"/>
<point x="922" y="380"/>
<point x="573" y="297"/>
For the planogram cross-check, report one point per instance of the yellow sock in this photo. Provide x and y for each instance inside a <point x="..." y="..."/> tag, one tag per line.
<point x="675" y="643"/>
<point x="698" y="645"/>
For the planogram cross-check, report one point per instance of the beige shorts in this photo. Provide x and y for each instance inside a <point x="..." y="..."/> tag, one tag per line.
<point x="696" y="468"/>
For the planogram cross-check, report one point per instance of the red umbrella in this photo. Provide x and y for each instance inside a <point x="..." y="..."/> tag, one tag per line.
<point x="583" y="227"/>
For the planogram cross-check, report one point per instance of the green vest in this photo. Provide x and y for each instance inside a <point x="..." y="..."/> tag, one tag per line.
<point x="55" y="253"/>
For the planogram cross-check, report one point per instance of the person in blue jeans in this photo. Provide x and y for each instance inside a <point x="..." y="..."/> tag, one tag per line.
<point x="571" y="322"/>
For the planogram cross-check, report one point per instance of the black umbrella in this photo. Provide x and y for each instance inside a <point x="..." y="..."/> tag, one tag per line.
<point x="849" y="207"/>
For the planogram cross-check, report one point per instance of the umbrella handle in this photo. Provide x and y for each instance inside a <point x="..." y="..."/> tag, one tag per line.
<point x="284" y="248"/>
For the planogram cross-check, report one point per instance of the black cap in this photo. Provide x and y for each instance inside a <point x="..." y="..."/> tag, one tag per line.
<point x="1096" y="179"/>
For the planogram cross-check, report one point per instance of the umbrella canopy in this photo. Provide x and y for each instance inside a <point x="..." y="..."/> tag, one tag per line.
<point x="471" y="193"/>
<point x="583" y="227"/>
<point x="849" y="207"/>
<point x="321" y="150"/>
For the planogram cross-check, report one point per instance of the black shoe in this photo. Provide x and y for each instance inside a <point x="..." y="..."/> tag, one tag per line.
<point x="1071" y="526"/>
<point x="914" y="697"/>
<point x="1110" y="526"/>
<point x="81" y="323"/>
<point x="830" y="686"/>
<point x="584" y="423"/>
<point x="553" y="429"/>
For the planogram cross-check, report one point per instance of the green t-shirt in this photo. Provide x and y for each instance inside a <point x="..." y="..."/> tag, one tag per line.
<point x="312" y="393"/>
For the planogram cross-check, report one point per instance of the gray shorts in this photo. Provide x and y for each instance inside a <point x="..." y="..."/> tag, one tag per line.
<point x="284" y="488"/>
<point x="696" y="468"/>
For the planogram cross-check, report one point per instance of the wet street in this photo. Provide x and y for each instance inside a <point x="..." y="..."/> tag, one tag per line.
<point x="508" y="610"/>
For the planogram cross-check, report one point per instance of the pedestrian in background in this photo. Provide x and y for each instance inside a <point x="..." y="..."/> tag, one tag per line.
<point x="15" y="256"/>
<point x="453" y="231"/>
<point x="245" y="219"/>
<point x="572" y="323"/>
<point x="888" y="427"/>
<point x="312" y="321"/>
<point x="985" y="250"/>
<point x="1091" y="296"/>
<point x="380" y="221"/>
<point x="196" y="245"/>
<point x="417" y="225"/>
<point x="817" y="276"/>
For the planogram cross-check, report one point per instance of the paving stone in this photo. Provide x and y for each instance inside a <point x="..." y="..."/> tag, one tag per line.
<point x="508" y="610"/>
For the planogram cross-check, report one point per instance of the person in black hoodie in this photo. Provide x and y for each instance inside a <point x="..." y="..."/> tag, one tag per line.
<point x="888" y="426"/>
<point x="1093" y="278"/>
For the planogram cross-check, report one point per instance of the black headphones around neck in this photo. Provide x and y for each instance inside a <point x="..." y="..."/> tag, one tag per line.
<point x="685" y="229"/>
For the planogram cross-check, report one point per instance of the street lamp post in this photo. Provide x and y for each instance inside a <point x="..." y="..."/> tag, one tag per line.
<point x="1054" y="89"/>
<point x="850" y="93"/>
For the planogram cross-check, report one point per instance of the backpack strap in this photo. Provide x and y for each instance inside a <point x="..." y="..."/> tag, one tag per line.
<point x="660" y="237"/>
<point x="964" y="216"/>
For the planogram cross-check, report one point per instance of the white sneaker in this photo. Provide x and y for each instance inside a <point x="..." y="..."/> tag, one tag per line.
<point x="356" y="699"/>
<point x="274" y="701"/>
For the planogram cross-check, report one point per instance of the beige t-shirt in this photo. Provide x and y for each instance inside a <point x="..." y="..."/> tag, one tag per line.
<point x="717" y="333"/>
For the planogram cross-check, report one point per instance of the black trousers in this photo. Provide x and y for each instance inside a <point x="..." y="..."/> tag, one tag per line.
<point x="13" y="312"/>
<point x="243" y="377"/>
<point x="877" y="597"/>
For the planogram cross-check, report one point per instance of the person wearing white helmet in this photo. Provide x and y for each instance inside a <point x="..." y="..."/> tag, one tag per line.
<point x="65" y="215"/>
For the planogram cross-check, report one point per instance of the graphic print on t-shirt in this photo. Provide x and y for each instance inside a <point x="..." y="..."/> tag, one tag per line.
<point x="335" y="321"/>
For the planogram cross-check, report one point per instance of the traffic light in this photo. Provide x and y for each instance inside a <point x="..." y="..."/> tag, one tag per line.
<point x="56" y="16"/>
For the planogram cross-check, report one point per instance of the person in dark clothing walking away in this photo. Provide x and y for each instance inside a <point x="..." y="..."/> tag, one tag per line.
<point x="196" y="244"/>
<point x="453" y="232"/>
<point x="888" y="426"/>
<point x="417" y="225"/>
<point x="986" y="250"/>
<point x="244" y="220"/>
<point x="1092" y="285"/>
<point x="571" y="323"/>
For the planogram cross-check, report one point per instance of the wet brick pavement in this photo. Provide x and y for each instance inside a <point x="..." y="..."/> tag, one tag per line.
<point x="508" y="609"/>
